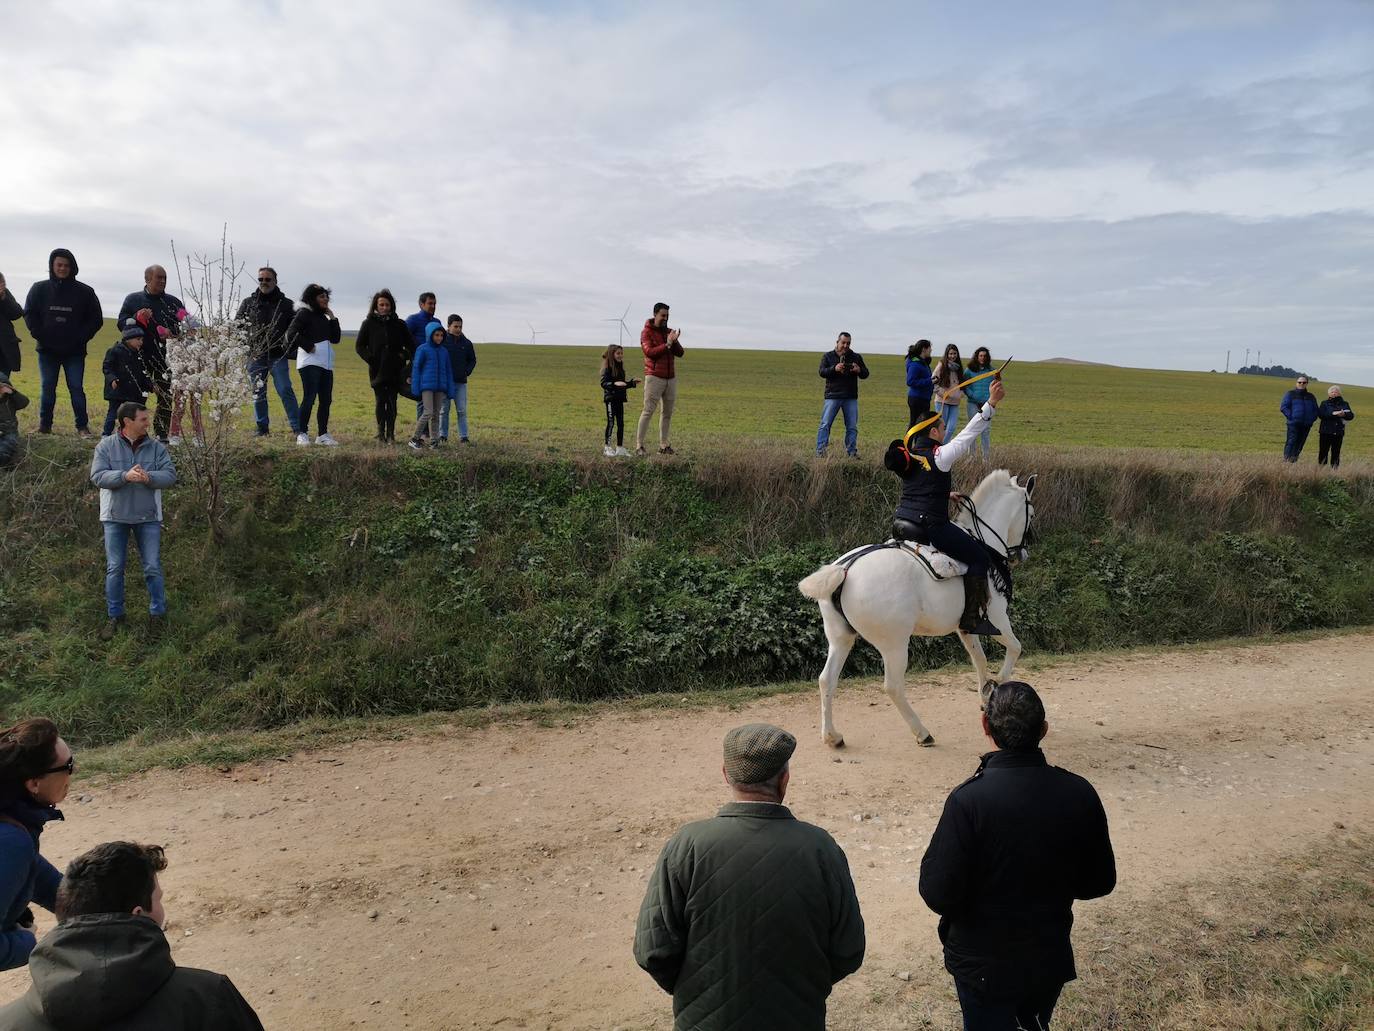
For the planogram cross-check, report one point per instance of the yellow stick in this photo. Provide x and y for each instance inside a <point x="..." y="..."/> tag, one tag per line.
<point x="906" y="441"/>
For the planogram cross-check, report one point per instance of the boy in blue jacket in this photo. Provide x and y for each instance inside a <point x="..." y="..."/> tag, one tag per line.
<point x="431" y="381"/>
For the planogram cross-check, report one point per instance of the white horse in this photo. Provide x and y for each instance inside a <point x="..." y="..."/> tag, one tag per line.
<point x="889" y="596"/>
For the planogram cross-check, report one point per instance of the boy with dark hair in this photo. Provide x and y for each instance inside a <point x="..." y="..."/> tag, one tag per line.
<point x="462" y="357"/>
<point x="107" y="964"/>
<point x="126" y="376"/>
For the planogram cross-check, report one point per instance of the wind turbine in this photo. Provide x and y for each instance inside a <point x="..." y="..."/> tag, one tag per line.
<point x="534" y="333"/>
<point x="621" y="319"/>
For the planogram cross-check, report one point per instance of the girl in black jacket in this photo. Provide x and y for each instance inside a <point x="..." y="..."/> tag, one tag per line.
<point x="385" y="344"/>
<point x="614" y="384"/>
<point x="314" y="332"/>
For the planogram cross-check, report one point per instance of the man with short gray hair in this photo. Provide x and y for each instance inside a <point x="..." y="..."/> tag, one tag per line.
<point x="751" y="917"/>
<point x="1016" y="844"/>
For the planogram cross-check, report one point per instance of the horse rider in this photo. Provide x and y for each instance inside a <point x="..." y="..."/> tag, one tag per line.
<point x="923" y="511"/>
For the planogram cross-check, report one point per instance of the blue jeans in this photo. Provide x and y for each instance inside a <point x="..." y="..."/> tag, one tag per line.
<point x="73" y="370"/>
<point x="460" y="402"/>
<point x="971" y="409"/>
<point x="984" y="1014"/>
<point x="1297" y="437"/>
<point x="259" y="369"/>
<point x="832" y="407"/>
<point x="148" y="536"/>
<point x="949" y="420"/>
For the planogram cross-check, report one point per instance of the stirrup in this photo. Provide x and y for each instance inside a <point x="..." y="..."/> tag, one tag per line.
<point x="983" y="628"/>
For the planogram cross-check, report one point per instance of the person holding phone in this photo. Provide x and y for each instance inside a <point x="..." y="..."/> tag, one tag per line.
<point x="841" y="368"/>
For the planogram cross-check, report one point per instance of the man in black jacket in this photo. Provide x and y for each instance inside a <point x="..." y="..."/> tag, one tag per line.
<point x="63" y="315"/>
<point x="841" y="369"/>
<point x="268" y="312"/>
<point x="107" y="964"/>
<point x="160" y="315"/>
<point x="1017" y="843"/>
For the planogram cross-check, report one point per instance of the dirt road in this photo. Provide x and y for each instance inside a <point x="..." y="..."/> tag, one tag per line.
<point x="490" y="878"/>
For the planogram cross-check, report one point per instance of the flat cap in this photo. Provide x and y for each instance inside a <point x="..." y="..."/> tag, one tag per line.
<point x="756" y="752"/>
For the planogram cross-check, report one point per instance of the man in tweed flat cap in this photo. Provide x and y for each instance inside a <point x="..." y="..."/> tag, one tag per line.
<point x="750" y="917"/>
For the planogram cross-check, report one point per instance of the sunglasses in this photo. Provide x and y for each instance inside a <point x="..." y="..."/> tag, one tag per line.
<point x="67" y="767"/>
<point x="266" y="279"/>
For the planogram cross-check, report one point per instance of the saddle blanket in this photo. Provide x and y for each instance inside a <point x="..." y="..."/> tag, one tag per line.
<point x="938" y="562"/>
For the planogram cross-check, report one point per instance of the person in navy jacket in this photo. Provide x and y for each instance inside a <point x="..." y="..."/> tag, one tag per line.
<point x="63" y="315"/>
<point x="1299" y="407"/>
<point x="1334" y="413"/>
<point x="35" y="772"/>
<point x="919" y="385"/>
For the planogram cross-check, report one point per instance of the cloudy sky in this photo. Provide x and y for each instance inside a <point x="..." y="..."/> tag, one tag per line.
<point x="1146" y="183"/>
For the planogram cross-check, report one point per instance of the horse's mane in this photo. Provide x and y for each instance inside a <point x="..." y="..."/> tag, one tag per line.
<point x="993" y="483"/>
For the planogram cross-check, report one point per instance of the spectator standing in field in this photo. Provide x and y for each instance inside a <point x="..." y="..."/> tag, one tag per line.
<point x="751" y="917"/>
<point x="614" y="384"/>
<point x="1334" y="413"/>
<point x="462" y="357"/>
<point x="108" y="965"/>
<point x="385" y="345"/>
<point x="919" y="384"/>
<point x="841" y="368"/>
<point x="1299" y="408"/>
<point x="976" y="394"/>
<point x="947" y="375"/>
<point x="1016" y="844"/>
<point x="416" y="323"/>
<point x="10" y="403"/>
<point x="126" y="377"/>
<point x="132" y="469"/>
<point x="661" y="349"/>
<point x="11" y="311"/>
<point x="267" y="313"/>
<point x="35" y="772"/>
<point x="313" y="333"/>
<point x="431" y="377"/>
<point x="63" y="315"/>
<point x="160" y="315"/>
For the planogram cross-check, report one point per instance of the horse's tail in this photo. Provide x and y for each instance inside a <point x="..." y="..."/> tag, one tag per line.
<point x="823" y="583"/>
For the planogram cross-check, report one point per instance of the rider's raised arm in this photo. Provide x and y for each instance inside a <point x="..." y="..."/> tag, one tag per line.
<point x="947" y="454"/>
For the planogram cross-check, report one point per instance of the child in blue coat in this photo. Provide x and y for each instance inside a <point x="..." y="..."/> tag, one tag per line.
<point x="431" y="381"/>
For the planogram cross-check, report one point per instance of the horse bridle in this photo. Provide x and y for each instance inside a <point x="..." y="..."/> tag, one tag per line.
<point x="1012" y="554"/>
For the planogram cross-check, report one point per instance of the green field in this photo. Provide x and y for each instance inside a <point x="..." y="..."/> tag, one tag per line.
<point x="550" y="393"/>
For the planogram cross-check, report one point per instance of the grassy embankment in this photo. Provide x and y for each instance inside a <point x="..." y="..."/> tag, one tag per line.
<point x="379" y="584"/>
<point x="733" y="398"/>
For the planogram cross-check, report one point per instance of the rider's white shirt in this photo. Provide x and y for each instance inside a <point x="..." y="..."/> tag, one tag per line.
<point x="947" y="454"/>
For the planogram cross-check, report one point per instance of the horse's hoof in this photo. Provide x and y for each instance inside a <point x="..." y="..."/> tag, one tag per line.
<point x="834" y="740"/>
<point x="926" y="742"/>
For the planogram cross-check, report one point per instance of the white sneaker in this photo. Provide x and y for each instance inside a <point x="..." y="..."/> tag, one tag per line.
<point x="608" y="451"/>
<point x="302" y="440"/>
<point x="174" y="442"/>
<point x="197" y="442"/>
<point x="326" y="440"/>
<point x="620" y="452"/>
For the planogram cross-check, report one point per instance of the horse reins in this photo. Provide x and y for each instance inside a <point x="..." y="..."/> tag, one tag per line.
<point x="1011" y="554"/>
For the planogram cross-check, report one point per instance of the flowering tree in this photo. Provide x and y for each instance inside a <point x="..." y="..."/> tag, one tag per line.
<point x="208" y="359"/>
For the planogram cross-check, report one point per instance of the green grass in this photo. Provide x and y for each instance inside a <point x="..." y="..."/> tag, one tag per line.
<point x="548" y="394"/>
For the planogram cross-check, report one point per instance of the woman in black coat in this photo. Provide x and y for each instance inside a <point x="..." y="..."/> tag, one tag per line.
<point x="385" y="344"/>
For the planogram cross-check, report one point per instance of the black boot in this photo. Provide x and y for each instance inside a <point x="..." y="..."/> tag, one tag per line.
<point x="975" y="620"/>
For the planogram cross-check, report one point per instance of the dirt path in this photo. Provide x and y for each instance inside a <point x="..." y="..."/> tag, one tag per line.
<point x="491" y="878"/>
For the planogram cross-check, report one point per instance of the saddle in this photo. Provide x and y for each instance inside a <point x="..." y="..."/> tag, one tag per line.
<point x="936" y="563"/>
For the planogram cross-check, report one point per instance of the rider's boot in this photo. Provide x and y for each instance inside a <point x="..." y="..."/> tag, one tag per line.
<point x="975" y="620"/>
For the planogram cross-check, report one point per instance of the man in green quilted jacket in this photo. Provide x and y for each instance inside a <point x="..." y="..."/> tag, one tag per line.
<point x="751" y="916"/>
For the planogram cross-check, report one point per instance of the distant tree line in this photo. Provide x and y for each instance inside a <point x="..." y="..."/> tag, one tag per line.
<point x="1281" y="371"/>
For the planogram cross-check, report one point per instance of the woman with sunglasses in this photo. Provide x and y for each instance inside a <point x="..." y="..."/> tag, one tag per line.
<point x="36" y="768"/>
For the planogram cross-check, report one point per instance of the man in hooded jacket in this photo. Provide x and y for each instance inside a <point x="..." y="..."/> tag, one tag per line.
<point x="63" y="315"/>
<point x="107" y="964"/>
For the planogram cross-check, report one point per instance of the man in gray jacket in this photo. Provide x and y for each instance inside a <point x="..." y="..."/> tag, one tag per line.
<point x="107" y="964"/>
<point x="751" y="916"/>
<point x="132" y="469"/>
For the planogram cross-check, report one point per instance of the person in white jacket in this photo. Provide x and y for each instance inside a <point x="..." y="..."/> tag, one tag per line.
<point x="312" y="335"/>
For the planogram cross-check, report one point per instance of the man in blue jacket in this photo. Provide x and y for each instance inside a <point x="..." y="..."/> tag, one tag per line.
<point x="416" y="323"/>
<point x="63" y="315"/>
<point x="132" y="470"/>
<point x="1299" y="407"/>
<point x="841" y="369"/>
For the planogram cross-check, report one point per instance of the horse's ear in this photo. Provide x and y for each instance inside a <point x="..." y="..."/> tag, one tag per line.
<point x="1030" y="484"/>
